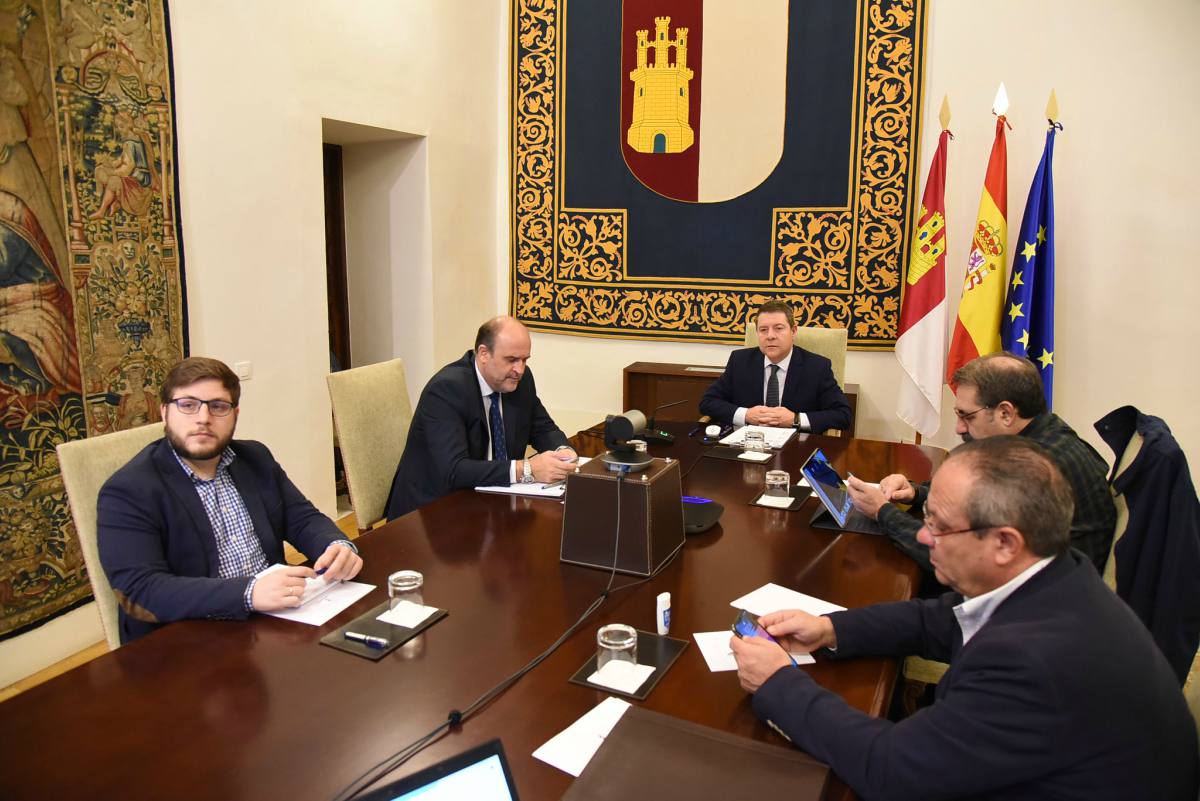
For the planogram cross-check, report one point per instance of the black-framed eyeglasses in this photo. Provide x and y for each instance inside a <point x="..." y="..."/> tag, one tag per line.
<point x="217" y="407"/>
<point x="965" y="416"/>
<point x="934" y="532"/>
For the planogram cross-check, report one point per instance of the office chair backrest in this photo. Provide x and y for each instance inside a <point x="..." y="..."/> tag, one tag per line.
<point x="828" y="342"/>
<point x="371" y="413"/>
<point x="86" y="464"/>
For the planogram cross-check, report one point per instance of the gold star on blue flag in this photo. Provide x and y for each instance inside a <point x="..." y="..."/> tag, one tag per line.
<point x="1030" y="332"/>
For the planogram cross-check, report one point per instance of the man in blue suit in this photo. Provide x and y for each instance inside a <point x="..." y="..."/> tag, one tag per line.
<point x="474" y="421"/>
<point x="1055" y="688"/>
<point x="777" y="384"/>
<point x="186" y="525"/>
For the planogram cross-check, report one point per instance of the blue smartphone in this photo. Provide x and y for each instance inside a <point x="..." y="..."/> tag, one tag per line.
<point x="746" y="625"/>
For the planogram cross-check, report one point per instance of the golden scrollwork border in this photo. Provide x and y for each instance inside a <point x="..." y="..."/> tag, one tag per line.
<point x="839" y="267"/>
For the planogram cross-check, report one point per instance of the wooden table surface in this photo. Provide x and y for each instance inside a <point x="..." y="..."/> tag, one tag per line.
<point x="260" y="710"/>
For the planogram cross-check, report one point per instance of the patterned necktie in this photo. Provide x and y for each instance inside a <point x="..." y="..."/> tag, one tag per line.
<point x="773" y="386"/>
<point x="499" y="449"/>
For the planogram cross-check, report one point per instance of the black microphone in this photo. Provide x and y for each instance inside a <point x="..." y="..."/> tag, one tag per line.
<point x="651" y="434"/>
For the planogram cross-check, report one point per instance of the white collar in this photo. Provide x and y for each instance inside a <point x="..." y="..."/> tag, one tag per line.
<point x="974" y="613"/>
<point x="783" y="363"/>
<point x="485" y="389"/>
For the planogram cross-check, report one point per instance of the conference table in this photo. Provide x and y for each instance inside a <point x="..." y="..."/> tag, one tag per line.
<point x="259" y="709"/>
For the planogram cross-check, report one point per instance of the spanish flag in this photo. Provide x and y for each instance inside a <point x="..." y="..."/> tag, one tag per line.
<point x="977" y="329"/>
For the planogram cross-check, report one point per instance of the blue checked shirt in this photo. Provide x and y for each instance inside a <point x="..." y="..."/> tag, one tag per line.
<point x="239" y="552"/>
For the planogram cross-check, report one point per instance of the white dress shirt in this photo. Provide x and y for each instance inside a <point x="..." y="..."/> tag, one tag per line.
<point x="739" y="417"/>
<point x="486" y="391"/>
<point x="973" y="613"/>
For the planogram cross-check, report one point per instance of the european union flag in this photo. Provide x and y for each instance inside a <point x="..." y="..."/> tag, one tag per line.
<point x="1027" y="327"/>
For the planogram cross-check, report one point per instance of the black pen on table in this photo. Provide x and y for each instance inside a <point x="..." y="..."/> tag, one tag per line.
<point x="366" y="639"/>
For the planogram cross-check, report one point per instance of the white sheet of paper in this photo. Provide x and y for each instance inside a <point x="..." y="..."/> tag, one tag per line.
<point x="771" y="598"/>
<point x="532" y="490"/>
<point x="754" y="456"/>
<point x="535" y="490"/>
<point x="775" y="501"/>
<point x="775" y="437"/>
<point x="714" y="647"/>
<point x="623" y="676"/>
<point x="407" y="614"/>
<point x="572" y="748"/>
<point x="323" y="608"/>
<point x="803" y="482"/>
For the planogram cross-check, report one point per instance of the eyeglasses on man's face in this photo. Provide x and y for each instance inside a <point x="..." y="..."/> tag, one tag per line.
<point x="966" y="416"/>
<point x="217" y="407"/>
<point x="935" y="531"/>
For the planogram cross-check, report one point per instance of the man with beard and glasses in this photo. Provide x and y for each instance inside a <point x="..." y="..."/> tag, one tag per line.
<point x="186" y="525"/>
<point x="994" y="395"/>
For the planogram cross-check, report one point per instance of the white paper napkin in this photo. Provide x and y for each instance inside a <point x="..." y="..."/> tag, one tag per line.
<point x="623" y="676"/>
<point x="407" y="614"/>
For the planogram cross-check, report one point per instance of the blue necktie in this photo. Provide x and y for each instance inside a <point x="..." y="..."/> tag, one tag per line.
<point x="773" y="386"/>
<point x="499" y="449"/>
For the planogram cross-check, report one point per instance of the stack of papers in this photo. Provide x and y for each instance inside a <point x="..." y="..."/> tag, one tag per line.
<point x="775" y="437"/>
<point x="322" y="599"/>
<point x="555" y="489"/>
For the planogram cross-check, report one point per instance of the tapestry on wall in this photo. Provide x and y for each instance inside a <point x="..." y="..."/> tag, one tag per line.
<point x="677" y="162"/>
<point x="91" y="307"/>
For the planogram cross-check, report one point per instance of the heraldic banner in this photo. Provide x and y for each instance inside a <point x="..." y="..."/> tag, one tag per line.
<point x="677" y="162"/>
<point x="91" y="299"/>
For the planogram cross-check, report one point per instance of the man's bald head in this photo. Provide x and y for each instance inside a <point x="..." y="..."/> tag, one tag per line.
<point x="502" y="347"/>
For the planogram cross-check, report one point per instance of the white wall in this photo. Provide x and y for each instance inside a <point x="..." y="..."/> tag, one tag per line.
<point x="1126" y="184"/>
<point x="389" y="259"/>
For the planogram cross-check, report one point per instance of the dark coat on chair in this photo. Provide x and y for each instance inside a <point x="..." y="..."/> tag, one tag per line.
<point x="1061" y="694"/>
<point x="1158" y="557"/>
<point x="809" y="388"/>
<point x="447" y="444"/>
<point x="158" y="547"/>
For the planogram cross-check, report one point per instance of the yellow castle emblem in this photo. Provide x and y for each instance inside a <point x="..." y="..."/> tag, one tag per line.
<point x="660" y="93"/>
<point x="928" y="248"/>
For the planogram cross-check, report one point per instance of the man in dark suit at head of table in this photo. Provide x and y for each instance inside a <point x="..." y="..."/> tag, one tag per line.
<point x="474" y="421"/>
<point x="1055" y="687"/>
<point x="778" y="383"/>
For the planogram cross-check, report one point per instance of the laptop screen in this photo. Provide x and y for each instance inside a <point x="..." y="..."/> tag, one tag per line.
<point x="828" y="485"/>
<point x="480" y="774"/>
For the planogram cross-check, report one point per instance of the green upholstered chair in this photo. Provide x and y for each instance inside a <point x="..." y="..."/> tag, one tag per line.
<point x="371" y="414"/>
<point x="828" y="342"/>
<point x="86" y="464"/>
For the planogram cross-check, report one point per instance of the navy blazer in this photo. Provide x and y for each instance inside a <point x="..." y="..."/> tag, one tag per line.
<point x="448" y="440"/>
<point x="159" y="549"/>
<point x="1062" y="694"/>
<point x="809" y="387"/>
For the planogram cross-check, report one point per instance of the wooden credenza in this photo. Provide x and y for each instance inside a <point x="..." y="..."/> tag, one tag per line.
<point x="647" y="385"/>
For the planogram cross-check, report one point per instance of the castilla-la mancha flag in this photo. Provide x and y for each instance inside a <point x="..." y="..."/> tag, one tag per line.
<point x="977" y="330"/>
<point x="921" y="345"/>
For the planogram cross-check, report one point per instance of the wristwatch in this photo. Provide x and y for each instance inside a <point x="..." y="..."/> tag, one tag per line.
<point x="796" y="421"/>
<point x="526" y="472"/>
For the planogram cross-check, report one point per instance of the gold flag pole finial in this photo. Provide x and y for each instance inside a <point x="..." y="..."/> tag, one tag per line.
<point x="944" y="114"/>
<point x="1052" y="108"/>
<point x="1000" y="104"/>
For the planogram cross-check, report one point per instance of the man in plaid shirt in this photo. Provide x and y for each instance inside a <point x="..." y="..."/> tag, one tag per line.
<point x="996" y="395"/>
<point x="186" y="525"/>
